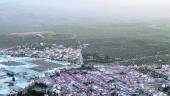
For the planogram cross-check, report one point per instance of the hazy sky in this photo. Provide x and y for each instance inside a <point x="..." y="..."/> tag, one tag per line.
<point x="116" y="8"/>
<point x="38" y="10"/>
<point x="124" y="8"/>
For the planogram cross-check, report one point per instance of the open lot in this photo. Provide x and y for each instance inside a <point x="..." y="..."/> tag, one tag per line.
<point x="11" y="63"/>
<point x="44" y="66"/>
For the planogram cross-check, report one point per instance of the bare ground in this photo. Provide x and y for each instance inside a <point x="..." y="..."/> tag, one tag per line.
<point x="39" y="34"/>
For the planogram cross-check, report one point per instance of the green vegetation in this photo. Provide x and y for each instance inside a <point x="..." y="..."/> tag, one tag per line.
<point x="152" y="73"/>
<point x="130" y="43"/>
<point x="37" y="89"/>
<point x="166" y="90"/>
<point x="157" y="59"/>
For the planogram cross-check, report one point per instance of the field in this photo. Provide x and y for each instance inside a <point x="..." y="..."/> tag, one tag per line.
<point x="109" y="42"/>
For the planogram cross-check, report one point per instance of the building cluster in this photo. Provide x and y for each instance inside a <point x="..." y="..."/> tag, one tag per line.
<point x="162" y="69"/>
<point x="14" y="82"/>
<point x="102" y="80"/>
<point x="17" y="73"/>
<point x="88" y="80"/>
<point x="62" y="70"/>
<point x="58" y="53"/>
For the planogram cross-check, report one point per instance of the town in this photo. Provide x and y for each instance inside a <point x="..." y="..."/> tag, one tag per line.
<point x="103" y="80"/>
<point x="84" y="48"/>
<point x="60" y="71"/>
<point x="20" y="66"/>
<point x="53" y="52"/>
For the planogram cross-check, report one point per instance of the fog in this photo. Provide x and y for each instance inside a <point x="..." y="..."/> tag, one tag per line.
<point x="85" y="8"/>
<point x="26" y="12"/>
